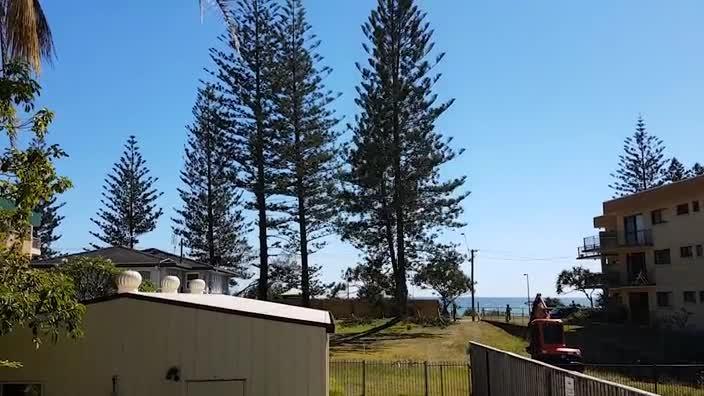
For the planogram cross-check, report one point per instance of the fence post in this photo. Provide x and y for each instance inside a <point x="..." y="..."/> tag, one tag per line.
<point x="469" y="379"/>
<point x="655" y="377"/>
<point x="442" y="380"/>
<point x="364" y="377"/>
<point x="425" y="366"/>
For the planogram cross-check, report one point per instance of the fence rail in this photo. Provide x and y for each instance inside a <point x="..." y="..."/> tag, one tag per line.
<point x="668" y="380"/>
<point x="411" y="378"/>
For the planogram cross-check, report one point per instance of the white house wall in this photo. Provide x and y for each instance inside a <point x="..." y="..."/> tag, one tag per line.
<point x="138" y="341"/>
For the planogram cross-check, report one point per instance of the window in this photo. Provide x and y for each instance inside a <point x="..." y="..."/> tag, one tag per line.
<point x="190" y="276"/>
<point x="663" y="299"/>
<point x="689" y="297"/>
<point x="701" y="297"/>
<point x="146" y="275"/>
<point x="682" y="209"/>
<point x="662" y="256"/>
<point x="686" y="251"/>
<point x="695" y="206"/>
<point x="21" y="390"/>
<point x="700" y="251"/>
<point x="656" y="216"/>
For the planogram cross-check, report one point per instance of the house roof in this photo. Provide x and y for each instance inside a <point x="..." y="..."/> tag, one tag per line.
<point x="684" y="188"/>
<point x="126" y="257"/>
<point x="236" y="306"/>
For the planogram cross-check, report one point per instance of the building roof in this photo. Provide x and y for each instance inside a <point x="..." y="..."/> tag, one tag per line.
<point x="683" y="188"/>
<point x="126" y="257"/>
<point x="6" y="204"/>
<point x="237" y="306"/>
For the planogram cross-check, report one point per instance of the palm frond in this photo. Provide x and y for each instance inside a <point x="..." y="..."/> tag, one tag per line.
<point x="27" y="32"/>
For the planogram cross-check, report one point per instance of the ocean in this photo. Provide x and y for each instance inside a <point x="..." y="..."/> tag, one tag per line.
<point x="516" y="303"/>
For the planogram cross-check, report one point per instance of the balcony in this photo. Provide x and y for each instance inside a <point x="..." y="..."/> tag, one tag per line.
<point x="36" y="246"/>
<point x="631" y="279"/>
<point x="596" y="246"/>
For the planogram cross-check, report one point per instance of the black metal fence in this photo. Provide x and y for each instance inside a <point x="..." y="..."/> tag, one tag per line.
<point x="519" y="316"/>
<point x="668" y="380"/>
<point x="371" y="378"/>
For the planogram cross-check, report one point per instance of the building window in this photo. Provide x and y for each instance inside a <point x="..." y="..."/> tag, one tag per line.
<point x="656" y="216"/>
<point x="686" y="251"/>
<point x="689" y="297"/>
<point x="21" y="390"/>
<point x="662" y="256"/>
<point x="695" y="206"/>
<point x="701" y="296"/>
<point x="191" y="276"/>
<point x="663" y="299"/>
<point x="700" y="251"/>
<point x="146" y="275"/>
<point x="682" y="209"/>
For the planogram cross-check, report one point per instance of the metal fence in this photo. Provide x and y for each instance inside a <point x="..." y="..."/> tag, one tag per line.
<point x="518" y="316"/>
<point x="668" y="380"/>
<point x="371" y="378"/>
<point x="500" y="373"/>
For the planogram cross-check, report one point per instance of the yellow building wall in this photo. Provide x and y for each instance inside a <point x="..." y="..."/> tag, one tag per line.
<point x="138" y="341"/>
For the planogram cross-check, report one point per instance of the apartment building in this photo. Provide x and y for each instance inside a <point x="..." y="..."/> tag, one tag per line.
<point x="31" y="245"/>
<point x="651" y="251"/>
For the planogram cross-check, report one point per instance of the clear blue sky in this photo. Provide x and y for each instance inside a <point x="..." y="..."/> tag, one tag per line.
<point x="546" y="91"/>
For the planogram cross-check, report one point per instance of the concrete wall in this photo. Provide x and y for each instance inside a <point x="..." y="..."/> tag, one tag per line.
<point x="138" y="341"/>
<point x="347" y="308"/>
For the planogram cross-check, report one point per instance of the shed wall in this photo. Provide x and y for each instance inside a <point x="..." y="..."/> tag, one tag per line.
<point x="138" y="341"/>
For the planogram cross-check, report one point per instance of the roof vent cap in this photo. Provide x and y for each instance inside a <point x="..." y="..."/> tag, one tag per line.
<point x="196" y="286"/>
<point x="170" y="284"/>
<point x="128" y="281"/>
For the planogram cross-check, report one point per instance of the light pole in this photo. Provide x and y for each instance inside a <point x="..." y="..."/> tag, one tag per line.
<point x="471" y="275"/>
<point x="528" y="288"/>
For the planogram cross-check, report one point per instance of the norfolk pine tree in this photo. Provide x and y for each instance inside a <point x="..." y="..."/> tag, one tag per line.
<point x="305" y="140"/>
<point x="401" y="150"/>
<point x="211" y="221"/>
<point x="675" y="171"/>
<point x="641" y="165"/>
<point x="697" y="169"/>
<point x="245" y="73"/>
<point x="129" y="200"/>
<point x="46" y="232"/>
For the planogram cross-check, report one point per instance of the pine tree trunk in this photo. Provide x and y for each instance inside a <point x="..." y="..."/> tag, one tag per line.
<point x="209" y="175"/>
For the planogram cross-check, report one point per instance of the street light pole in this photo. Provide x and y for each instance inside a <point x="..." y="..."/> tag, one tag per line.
<point x="528" y="288"/>
<point x="471" y="275"/>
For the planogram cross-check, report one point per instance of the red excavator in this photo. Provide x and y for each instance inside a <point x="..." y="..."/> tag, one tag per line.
<point x="547" y="339"/>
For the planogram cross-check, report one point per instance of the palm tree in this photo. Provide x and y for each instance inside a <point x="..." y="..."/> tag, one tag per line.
<point x="24" y="33"/>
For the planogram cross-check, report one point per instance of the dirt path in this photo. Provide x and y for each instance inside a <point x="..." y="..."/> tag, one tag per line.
<point x="410" y="342"/>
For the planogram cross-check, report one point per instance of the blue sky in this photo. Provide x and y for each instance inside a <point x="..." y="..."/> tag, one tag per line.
<point x="546" y="91"/>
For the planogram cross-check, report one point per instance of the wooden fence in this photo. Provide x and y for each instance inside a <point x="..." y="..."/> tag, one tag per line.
<point x="499" y="373"/>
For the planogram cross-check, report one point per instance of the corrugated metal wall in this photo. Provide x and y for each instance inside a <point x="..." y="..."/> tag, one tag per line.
<point x="499" y="373"/>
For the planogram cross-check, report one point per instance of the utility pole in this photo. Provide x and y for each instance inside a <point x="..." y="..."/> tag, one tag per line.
<point x="471" y="275"/>
<point x="528" y="288"/>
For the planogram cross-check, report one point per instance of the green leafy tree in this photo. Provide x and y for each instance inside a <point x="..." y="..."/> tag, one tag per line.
<point x="211" y="221"/>
<point x="41" y="301"/>
<point x="443" y="274"/>
<point x="306" y="140"/>
<point x="675" y="171"/>
<point x="393" y="185"/>
<point x="579" y="279"/>
<point x="372" y="278"/>
<point x="553" y="302"/>
<point x="129" y="200"/>
<point x="641" y="165"/>
<point x="245" y="70"/>
<point x="94" y="277"/>
<point x="46" y="232"/>
<point x="284" y="275"/>
<point x="697" y="169"/>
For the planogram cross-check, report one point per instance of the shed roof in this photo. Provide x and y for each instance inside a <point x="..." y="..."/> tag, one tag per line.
<point x="237" y="306"/>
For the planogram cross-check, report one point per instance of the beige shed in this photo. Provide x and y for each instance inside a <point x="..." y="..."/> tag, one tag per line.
<point x="177" y="344"/>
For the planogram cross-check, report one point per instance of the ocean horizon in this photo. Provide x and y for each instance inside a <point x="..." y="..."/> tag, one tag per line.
<point x="501" y="302"/>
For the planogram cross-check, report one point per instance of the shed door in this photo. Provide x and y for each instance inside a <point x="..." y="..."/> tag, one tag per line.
<point x="215" y="388"/>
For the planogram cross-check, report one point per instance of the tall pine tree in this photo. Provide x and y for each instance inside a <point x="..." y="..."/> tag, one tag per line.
<point x="46" y="232"/>
<point x="675" y="171"/>
<point x="129" y="200"/>
<point x="245" y="72"/>
<point x="397" y="152"/>
<point x="641" y="165"/>
<point x="306" y="140"/>
<point x="697" y="169"/>
<point x="210" y="221"/>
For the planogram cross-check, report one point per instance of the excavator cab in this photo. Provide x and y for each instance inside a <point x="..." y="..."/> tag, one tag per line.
<point x="547" y="344"/>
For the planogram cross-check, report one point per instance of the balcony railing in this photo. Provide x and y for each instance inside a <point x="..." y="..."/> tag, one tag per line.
<point x="36" y="243"/>
<point x="597" y="245"/>
<point x="618" y="279"/>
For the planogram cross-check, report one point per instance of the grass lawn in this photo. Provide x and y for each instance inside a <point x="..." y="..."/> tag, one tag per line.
<point x="344" y="328"/>
<point x="412" y="342"/>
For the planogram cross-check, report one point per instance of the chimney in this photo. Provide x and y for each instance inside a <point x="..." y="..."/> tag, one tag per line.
<point x="128" y="281"/>
<point x="170" y="284"/>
